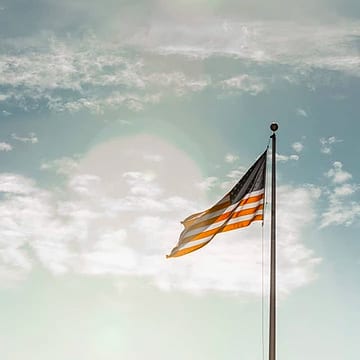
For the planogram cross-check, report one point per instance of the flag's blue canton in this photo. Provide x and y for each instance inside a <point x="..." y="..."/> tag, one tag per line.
<point x="251" y="181"/>
<point x="236" y="189"/>
<point x="234" y="192"/>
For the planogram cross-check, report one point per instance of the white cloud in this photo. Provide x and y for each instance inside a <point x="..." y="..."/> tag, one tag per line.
<point x="106" y="221"/>
<point x="236" y="173"/>
<point x="309" y="46"/>
<point x="231" y="158"/>
<point x="340" y="213"/>
<point x="297" y="146"/>
<point x="5" y="147"/>
<point x="114" y="100"/>
<point x="177" y="81"/>
<point x="6" y="113"/>
<point x="64" y="165"/>
<point x="90" y="74"/>
<point x="326" y="143"/>
<point x="286" y="158"/>
<point x="31" y="138"/>
<point x="301" y="112"/>
<point x="345" y="190"/>
<point x="337" y="174"/>
<point x="246" y="83"/>
<point x="208" y="183"/>
<point x="84" y="183"/>
<point x="226" y="185"/>
<point x="16" y="184"/>
<point x="292" y="253"/>
<point x="142" y="183"/>
<point x="343" y="209"/>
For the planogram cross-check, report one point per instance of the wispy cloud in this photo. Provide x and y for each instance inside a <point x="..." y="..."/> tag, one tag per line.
<point x="208" y="183"/>
<point x="236" y="173"/>
<point x="231" y="158"/>
<point x="345" y="190"/>
<point x="326" y="144"/>
<point x="320" y="46"/>
<point x="98" y="105"/>
<point x="30" y="138"/>
<point x="298" y="146"/>
<point x="337" y="174"/>
<point x="6" y="113"/>
<point x="5" y="147"/>
<point x="343" y="208"/>
<point x="301" y="112"/>
<point x="64" y="165"/>
<point x="90" y="73"/>
<point x="340" y="211"/>
<point x="250" y="84"/>
<point x="286" y="158"/>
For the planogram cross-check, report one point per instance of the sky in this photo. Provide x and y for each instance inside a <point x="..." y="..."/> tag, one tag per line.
<point x="121" y="118"/>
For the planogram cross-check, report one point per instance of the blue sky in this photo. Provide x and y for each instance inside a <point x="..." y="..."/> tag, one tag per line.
<point x="118" y="120"/>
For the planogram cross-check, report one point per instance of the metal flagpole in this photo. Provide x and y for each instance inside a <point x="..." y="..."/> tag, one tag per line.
<point x="272" y="323"/>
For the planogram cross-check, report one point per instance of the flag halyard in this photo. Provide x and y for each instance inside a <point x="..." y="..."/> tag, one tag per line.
<point x="242" y="205"/>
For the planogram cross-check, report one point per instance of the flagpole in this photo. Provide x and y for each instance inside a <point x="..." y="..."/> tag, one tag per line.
<point x="272" y="322"/>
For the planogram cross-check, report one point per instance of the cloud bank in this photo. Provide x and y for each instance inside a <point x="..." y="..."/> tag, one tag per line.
<point x="121" y="216"/>
<point x="164" y="59"/>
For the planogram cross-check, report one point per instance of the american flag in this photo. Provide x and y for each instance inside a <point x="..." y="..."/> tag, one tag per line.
<point x="242" y="205"/>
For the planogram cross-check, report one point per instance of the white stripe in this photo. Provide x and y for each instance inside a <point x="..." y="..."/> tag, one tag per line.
<point x="193" y="243"/>
<point x="228" y="209"/>
<point x="220" y="223"/>
<point x="250" y="205"/>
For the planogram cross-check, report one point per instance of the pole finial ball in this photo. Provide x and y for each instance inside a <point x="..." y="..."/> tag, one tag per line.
<point x="274" y="126"/>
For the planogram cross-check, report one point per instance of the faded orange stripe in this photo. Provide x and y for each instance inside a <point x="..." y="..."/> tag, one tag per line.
<point x="251" y="199"/>
<point x="219" y="229"/>
<point x="241" y="224"/>
<point x="190" y="221"/>
<point x="187" y="250"/>
<point x="227" y="215"/>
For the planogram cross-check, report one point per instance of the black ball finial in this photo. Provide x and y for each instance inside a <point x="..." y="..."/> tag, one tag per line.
<point x="274" y="126"/>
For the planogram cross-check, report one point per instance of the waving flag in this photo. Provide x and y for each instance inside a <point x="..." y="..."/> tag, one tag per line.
<point x="238" y="208"/>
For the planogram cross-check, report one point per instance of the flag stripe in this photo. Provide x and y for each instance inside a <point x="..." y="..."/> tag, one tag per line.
<point x="214" y="228"/>
<point x="230" y="211"/>
<point x="187" y="249"/>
